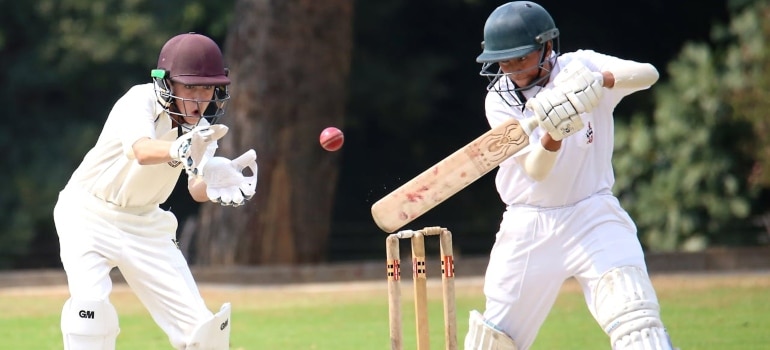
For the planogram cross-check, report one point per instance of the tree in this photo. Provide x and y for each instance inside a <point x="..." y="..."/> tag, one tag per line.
<point x="289" y="62"/>
<point x="747" y="61"/>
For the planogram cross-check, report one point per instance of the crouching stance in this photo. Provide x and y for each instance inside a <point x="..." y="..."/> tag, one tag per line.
<point x="109" y="215"/>
<point x="561" y="220"/>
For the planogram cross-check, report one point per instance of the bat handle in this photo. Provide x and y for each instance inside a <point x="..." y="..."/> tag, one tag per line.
<point x="528" y="125"/>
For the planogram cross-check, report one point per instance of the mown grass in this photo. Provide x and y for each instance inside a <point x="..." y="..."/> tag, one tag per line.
<point x="701" y="312"/>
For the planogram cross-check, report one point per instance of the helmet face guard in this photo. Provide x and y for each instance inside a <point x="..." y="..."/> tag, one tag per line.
<point x="501" y="83"/>
<point x="514" y="30"/>
<point x="216" y="108"/>
<point x="194" y="60"/>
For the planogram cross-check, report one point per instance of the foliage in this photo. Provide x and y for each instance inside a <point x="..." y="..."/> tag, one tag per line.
<point x="685" y="177"/>
<point x="415" y="97"/>
<point x="747" y="62"/>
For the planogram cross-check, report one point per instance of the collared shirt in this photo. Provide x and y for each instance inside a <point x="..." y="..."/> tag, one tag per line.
<point x="109" y="170"/>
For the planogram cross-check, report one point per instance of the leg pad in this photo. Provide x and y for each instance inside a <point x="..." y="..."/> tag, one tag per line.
<point x="628" y="310"/>
<point x="89" y="325"/>
<point x="484" y="336"/>
<point x="213" y="334"/>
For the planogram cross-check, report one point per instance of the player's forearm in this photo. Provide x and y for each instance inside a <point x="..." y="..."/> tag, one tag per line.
<point x="197" y="189"/>
<point x="631" y="75"/>
<point x="148" y="151"/>
<point x="539" y="162"/>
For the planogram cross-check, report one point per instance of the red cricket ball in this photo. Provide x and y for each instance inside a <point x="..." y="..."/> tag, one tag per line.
<point x="331" y="139"/>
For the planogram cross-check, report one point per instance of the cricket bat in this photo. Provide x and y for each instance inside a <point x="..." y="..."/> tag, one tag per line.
<point x="451" y="174"/>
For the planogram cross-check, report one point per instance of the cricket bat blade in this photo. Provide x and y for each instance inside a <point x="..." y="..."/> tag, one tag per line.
<point x="451" y="174"/>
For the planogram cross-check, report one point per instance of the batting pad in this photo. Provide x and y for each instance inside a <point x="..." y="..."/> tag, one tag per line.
<point x="628" y="310"/>
<point x="484" y="336"/>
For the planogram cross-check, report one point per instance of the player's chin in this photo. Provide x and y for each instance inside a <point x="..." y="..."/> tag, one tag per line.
<point x="192" y="118"/>
<point x="522" y="80"/>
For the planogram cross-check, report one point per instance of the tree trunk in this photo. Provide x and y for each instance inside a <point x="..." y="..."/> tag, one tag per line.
<point x="289" y="63"/>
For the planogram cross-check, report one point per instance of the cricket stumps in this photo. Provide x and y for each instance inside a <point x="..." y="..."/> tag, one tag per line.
<point x="419" y="277"/>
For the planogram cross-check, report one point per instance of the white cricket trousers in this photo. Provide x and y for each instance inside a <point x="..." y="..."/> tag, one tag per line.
<point x="96" y="236"/>
<point x="537" y="249"/>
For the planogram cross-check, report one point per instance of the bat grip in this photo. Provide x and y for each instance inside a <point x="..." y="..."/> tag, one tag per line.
<point x="529" y="125"/>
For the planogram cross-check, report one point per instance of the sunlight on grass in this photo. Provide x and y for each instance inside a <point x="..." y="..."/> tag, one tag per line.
<point x="724" y="312"/>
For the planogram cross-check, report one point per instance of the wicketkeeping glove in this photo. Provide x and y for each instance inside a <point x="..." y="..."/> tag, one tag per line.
<point x="225" y="182"/>
<point x="190" y="148"/>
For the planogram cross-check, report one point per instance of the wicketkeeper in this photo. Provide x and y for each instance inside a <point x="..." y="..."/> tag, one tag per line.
<point x="108" y="214"/>
<point x="561" y="219"/>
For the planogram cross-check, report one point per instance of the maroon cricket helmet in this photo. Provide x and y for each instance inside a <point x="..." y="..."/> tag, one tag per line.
<point x="193" y="59"/>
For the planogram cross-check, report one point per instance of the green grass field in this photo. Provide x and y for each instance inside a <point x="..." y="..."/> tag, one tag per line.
<point x="726" y="311"/>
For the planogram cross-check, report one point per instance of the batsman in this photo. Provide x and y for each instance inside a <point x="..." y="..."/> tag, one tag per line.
<point x="561" y="220"/>
<point x="108" y="215"/>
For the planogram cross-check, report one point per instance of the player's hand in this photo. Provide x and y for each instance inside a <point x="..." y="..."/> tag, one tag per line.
<point x="555" y="113"/>
<point x="225" y="182"/>
<point x="190" y="148"/>
<point x="582" y="87"/>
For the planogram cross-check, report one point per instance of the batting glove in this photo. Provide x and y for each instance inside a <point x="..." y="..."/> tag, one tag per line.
<point x="582" y="87"/>
<point x="225" y="182"/>
<point x="555" y="113"/>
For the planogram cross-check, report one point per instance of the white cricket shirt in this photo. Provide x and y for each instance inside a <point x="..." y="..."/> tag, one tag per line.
<point x="108" y="170"/>
<point x="583" y="166"/>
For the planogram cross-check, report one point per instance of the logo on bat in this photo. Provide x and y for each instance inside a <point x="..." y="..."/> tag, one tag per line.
<point x="492" y="149"/>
